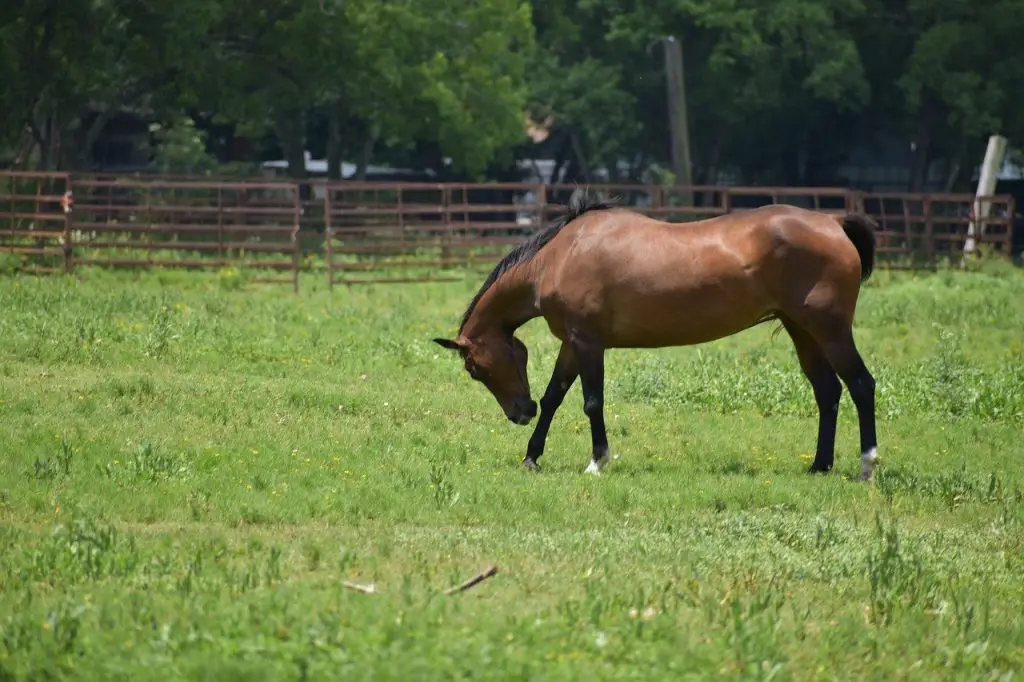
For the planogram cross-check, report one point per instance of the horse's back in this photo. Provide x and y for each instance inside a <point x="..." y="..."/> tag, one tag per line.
<point x="629" y="243"/>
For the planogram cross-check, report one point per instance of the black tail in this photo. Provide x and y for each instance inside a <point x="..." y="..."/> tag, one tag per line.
<point x="861" y="231"/>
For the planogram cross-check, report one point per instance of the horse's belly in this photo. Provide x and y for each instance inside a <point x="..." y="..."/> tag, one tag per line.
<point x="673" y="288"/>
<point x="681" y="316"/>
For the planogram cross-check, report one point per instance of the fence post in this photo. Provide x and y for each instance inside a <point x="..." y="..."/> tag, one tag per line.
<point x="446" y="250"/>
<point x="854" y="201"/>
<point x="149" y="225"/>
<point x="220" y="223"/>
<point x="929" y="231"/>
<point x="654" y="192"/>
<point x="296" y="251"/>
<point x="328" y="236"/>
<point x="1011" y="220"/>
<point x="994" y="155"/>
<point x="67" y="202"/>
<point x="542" y="205"/>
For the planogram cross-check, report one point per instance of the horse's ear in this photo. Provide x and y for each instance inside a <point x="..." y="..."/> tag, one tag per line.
<point x="449" y="344"/>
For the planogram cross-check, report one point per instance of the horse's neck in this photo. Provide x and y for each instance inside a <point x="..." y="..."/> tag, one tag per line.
<point x="508" y="304"/>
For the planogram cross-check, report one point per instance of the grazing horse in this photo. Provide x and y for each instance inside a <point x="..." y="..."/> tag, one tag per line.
<point x="604" y="276"/>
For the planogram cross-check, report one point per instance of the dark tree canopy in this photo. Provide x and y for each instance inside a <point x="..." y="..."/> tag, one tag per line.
<point x="779" y="91"/>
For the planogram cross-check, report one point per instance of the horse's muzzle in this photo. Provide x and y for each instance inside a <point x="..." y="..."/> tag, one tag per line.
<point x="523" y="412"/>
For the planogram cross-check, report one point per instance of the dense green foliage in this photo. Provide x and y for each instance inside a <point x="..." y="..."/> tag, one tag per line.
<point x="191" y="467"/>
<point x="779" y="90"/>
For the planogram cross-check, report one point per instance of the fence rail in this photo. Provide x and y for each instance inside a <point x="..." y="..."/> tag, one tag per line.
<point x="35" y="220"/>
<point x="187" y="224"/>
<point x="388" y="232"/>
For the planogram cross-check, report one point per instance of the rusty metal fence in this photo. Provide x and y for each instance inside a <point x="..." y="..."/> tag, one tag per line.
<point x="35" y="221"/>
<point x="916" y="231"/>
<point x="401" y="232"/>
<point x="187" y="224"/>
<point x="416" y="232"/>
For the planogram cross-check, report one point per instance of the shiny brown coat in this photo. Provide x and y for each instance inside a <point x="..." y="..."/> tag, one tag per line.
<point x="606" y="277"/>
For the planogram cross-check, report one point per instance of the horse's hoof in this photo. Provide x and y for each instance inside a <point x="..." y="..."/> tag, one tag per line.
<point x="595" y="466"/>
<point x="819" y="469"/>
<point x="868" y="462"/>
<point x="531" y="464"/>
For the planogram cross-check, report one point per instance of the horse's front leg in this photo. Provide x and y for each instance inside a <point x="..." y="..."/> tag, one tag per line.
<point x="562" y="378"/>
<point x="590" y="359"/>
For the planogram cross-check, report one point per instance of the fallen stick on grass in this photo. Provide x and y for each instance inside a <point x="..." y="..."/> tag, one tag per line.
<point x="365" y="589"/>
<point x="493" y="570"/>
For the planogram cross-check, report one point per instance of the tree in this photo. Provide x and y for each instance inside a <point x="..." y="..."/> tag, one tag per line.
<point x="959" y="76"/>
<point x="577" y="84"/>
<point x="444" y="71"/>
<point x="437" y="70"/>
<point x="67" y="67"/>
<point x="768" y="82"/>
<point x="430" y="69"/>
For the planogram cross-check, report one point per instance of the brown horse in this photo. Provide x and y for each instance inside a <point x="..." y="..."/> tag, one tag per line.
<point x="608" y="277"/>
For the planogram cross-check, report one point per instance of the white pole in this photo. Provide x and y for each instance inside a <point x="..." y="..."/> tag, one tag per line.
<point x="994" y="155"/>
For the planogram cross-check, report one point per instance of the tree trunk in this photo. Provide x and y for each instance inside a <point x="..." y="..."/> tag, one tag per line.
<point x="636" y="169"/>
<point x="922" y="146"/>
<point x="42" y="144"/>
<point x="919" y="163"/>
<point x="955" y="166"/>
<point x="364" y="159"/>
<point x="76" y="154"/>
<point x="290" y="128"/>
<point x="23" y="149"/>
<point x="561" y="157"/>
<point x="335" y="119"/>
<point x="581" y="159"/>
<point x="710" y="174"/>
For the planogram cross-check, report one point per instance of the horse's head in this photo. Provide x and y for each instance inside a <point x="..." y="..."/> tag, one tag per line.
<point x="498" y="361"/>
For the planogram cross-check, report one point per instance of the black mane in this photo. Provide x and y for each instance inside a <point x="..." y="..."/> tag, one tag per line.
<point x="581" y="201"/>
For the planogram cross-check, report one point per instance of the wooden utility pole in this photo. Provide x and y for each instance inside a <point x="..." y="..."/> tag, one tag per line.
<point x="678" y="125"/>
<point x="994" y="155"/>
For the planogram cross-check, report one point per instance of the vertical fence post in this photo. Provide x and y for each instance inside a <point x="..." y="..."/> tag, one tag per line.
<point x="542" y="205"/>
<point x="654" y="192"/>
<point x="400" y="208"/>
<point x="994" y="155"/>
<point x="297" y="222"/>
<point x="149" y="225"/>
<point x="328" y="236"/>
<point x="852" y="201"/>
<point x="929" y="231"/>
<point x="220" y="224"/>
<point x="1011" y="213"/>
<point x="446" y="251"/>
<point x="66" y="203"/>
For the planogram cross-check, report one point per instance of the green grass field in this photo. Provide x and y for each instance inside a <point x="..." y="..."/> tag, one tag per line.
<point x="193" y="466"/>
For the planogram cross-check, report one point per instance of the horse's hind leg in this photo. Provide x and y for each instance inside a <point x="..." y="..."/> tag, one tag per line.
<point x="842" y="354"/>
<point x="827" y="392"/>
<point x="590" y="358"/>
